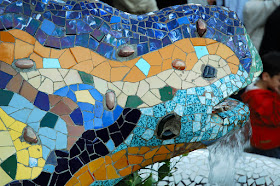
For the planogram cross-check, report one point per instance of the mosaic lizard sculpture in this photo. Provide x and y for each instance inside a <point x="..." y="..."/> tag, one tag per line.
<point x="90" y="94"/>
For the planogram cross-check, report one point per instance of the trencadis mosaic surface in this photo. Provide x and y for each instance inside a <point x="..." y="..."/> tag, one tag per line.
<point x="90" y="94"/>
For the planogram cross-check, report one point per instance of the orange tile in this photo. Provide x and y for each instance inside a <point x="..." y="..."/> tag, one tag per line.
<point x="67" y="60"/>
<point x="78" y="184"/>
<point x="22" y="49"/>
<point x="153" y="58"/>
<point x="178" y="54"/>
<point x="167" y="51"/>
<point x="118" y="73"/>
<point x="133" y="150"/>
<point x="81" y="171"/>
<point x="125" y="171"/>
<point x="118" y="155"/>
<point x="143" y="150"/>
<point x="100" y="174"/>
<point x="198" y="41"/>
<point x="111" y="172"/>
<point x="185" y="45"/>
<point x="210" y="41"/>
<point x="85" y="66"/>
<point x="72" y="181"/>
<point x="96" y="58"/>
<point x="158" y="158"/>
<point x="150" y="154"/>
<point x="233" y="59"/>
<point x="135" y="168"/>
<point x="7" y="37"/>
<point x="224" y="51"/>
<point x="131" y="63"/>
<point x="163" y="150"/>
<point x="121" y="163"/>
<point x="7" y="52"/>
<point x="147" y="162"/>
<point x="56" y="53"/>
<point x="167" y="64"/>
<point x="108" y="160"/>
<point x="22" y="35"/>
<point x="41" y="50"/>
<point x="95" y="164"/>
<point x="80" y="53"/>
<point x="233" y="68"/>
<point x="115" y="63"/>
<point x="212" y="49"/>
<point x="191" y="61"/>
<point x="170" y="147"/>
<point x="154" y="70"/>
<point x="135" y="159"/>
<point x="134" y="75"/>
<point x="102" y="71"/>
<point x="180" y="145"/>
<point x="86" y="179"/>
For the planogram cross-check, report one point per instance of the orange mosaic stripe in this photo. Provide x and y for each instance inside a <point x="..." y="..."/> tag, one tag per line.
<point x="128" y="161"/>
<point x="17" y="44"/>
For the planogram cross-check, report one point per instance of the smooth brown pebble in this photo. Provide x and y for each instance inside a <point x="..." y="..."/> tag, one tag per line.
<point x="110" y="100"/>
<point x="126" y="51"/>
<point x="201" y="27"/>
<point x="29" y="135"/>
<point x="24" y="63"/>
<point x="178" y="64"/>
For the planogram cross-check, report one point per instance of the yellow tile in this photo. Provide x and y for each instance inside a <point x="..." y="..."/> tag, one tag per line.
<point x="2" y="126"/>
<point x="18" y="145"/>
<point x="4" y="177"/>
<point x="23" y="157"/>
<point x="94" y="165"/>
<point x="35" y="151"/>
<point x="14" y="134"/>
<point x="41" y="162"/>
<point x="23" y="172"/>
<point x="6" y="152"/>
<point x="36" y="171"/>
<point x="111" y="172"/>
<point x="84" y="96"/>
<point x="5" y="139"/>
<point x="7" y="120"/>
<point x="18" y="126"/>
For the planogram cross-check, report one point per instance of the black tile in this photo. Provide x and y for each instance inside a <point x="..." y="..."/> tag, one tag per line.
<point x="63" y="178"/>
<point x="133" y="116"/>
<point x="84" y="157"/>
<point x="101" y="149"/>
<point x="74" y="151"/>
<point x="117" y="138"/>
<point x="103" y="134"/>
<point x="89" y="135"/>
<point x="42" y="179"/>
<point x="113" y="128"/>
<point x="62" y="154"/>
<point x="62" y="165"/>
<point x="126" y="129"/>
<point x="81" y="144"/>
<point x="75" y="164"/>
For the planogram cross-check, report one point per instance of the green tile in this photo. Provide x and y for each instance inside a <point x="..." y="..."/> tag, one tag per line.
<point x="166" y="93"/>
<point x="10" y="166"/>
<point x="86" y="78"/>
<point x="49" y="120"/>
<point x="5" y="97"/>
<point x="133" y="102"/>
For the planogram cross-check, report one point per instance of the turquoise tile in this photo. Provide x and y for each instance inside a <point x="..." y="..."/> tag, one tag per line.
<point x="49" y="168"/>
<point x="148" y="134"/>
<point x="33" y="162"/>
<point x="48" y="142"/>
<point x="110" y="145"/>
<point x="51" y="63"/>
<point x="36" y="115"/>
<point x="61" y="126"/>
<point x="20" y="102"/>
<point x="34" y="126"/>
<point x="48" y="132"/>
<point x="144" y="66"/>
<point x="61" y="142"/>
<point x="21" y="115"/>
<point x="46" y="151"/>
<point x="179" y="110"/>
<point x="201" y="51"/>
<point x="9" y="109"/>
<point x="147" y="111"/>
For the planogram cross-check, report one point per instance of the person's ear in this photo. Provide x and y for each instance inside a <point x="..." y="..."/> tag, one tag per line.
<point x="265" y="76"/>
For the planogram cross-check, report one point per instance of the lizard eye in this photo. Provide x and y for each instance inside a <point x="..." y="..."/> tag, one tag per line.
<point x="209" y="72"/>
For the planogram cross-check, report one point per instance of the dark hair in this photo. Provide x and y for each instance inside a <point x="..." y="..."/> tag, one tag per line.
<point x="271" y="63"/>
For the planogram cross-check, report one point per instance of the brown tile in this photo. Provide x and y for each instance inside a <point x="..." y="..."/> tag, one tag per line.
<point x="15" y="84"/>
<point x="23" y="49"/>
<point x="28" y="91"/>
<point x="75" y="131"/>
<point x="179" y="54"/>
<point x="212" y="48"/>
<point x="224" y="51"/>
<point x="54" y="99"/>
<point x="8" y="69"/>
<point x="167" y="64"/>
<point x="61" y="109"/>
<point x="22" y="35"/>
<point x="234" y="60"/>
<point x="70" y="142"/>
<point x="7" y="52"/>
<point x="68" y="120"/>
<point x="7" y="37"/>
<point x="70" y="103"/>
<point x="41" y="50"/>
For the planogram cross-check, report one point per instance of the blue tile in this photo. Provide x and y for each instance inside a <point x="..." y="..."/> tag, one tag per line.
<point x="98" y="110"/>
<point x="144" y="66"/>
<point x="4" y="79"/>
<point x="33" y="26"/>
<point x="20" y="102"/>
<point x="71" y="95"/>
<point x="51" y="63"/>
<point x="67" y="42"/>
<point x="183" y="21"/>
<point x="172" y="24"/>
<point x="36" y="115"/>
<point x="117" y="112"/>
<point x="61" y="126"/>
<point x="97" y="123"/>
<point x="115" y="19"/>
<point x="47" y="26"/>
<point x="201" y="51"/>
<point x="21" y="115"/>
<point x="77" y="116"/>
<point x="96" y="95"/>
<point x="155" y="44"/>
<point x="142" y="49"/>
<point x="88" y="116"/>
<point x="48" y="132"/>
<point x="47" y="142"/>
<point x="110" y="145"/>
<point x="9" y="109"/>
<point x="61" y="141"/>
<point x="88" y="125"/>
<point x="33" y="162"/>
<point x="86" y="106"/>
<point x="62" y="92"/>
<point x="107" y="118"/>
<point x="175" y="35"/>
<point x="82" y="40"/>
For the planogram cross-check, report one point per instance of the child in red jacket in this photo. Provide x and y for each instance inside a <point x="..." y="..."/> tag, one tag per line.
<point x="263" y="98"/>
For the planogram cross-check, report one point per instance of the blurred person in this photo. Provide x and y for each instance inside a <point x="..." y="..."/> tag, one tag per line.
<point x="271" y="38"/>
<point x="263" y="99"/>
<point x="255" y="14"/>
<point x="136" y="6"/>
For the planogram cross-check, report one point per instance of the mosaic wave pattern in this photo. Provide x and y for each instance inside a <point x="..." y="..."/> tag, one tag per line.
<point x="89" y="94"/>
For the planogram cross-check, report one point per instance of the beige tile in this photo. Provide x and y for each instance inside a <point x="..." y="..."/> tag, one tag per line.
<point x="150" y="99"/>
<point x="72" y="77"/>
<point x="101" y="85"/>
<point x="46" y="86"/>
<point x="155" y="82"/>
<point x="52" y="74"/>
<point x="174" y="81"/>
<point x="143" y="88"/>
<point x="130" y="88"/>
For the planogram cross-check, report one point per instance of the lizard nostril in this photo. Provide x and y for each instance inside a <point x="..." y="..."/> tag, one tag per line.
<point x="169" y="127"/>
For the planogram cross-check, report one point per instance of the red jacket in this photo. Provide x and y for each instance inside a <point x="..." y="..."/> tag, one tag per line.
<point x="265" y="118"/>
